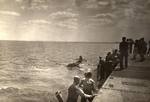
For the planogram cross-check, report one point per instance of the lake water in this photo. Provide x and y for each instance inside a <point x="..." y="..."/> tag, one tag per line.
<point x="34" y="71"/>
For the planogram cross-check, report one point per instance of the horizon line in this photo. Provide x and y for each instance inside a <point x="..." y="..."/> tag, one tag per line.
<point x="63" y="41"/>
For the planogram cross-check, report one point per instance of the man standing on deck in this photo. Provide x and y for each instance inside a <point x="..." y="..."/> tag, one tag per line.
<point x="100" y="69"/>
<point x="123" y="48"/>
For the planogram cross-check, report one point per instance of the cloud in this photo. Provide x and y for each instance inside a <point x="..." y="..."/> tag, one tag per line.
<point x="38" y="21"/>
<point x="100" y="19"/>
<point x="91" y="4"/>
<point x="35" y="5"/>
<point x="65" y="19"/>
<point x="94" y="23"/>
<point x="62" y="14"/>
<point x="10" y="13"/>
<point x="41" y="7"/>
<point x="19" y="0"/>
<point x="69" y="24"/>
<point x="105" y="15"/>
<point x="103" y="3"/>
<point x="104" y="21"/>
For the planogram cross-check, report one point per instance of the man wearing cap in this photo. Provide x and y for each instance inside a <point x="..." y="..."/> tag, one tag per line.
<point x="74" y="91"/>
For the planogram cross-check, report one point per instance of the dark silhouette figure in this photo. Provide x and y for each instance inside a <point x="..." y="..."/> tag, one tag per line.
<point x="130" y="44"/>
<point x="142" y="49"/>
<point x="109" y="56"/>
<point x="148" y="52"/>
<point x="136" y="49"/>
<point x="115" y="58"/>
<point x="108" y="67"/>
<point x="123" y="47"/>
<point x="80" y="60"/>
<point x="76" y="64"/>
<point x="100" y="69"/>
<point x="128" y="41"/>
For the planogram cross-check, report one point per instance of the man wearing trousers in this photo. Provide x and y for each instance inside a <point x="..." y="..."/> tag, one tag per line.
<point x="123" y="47"/>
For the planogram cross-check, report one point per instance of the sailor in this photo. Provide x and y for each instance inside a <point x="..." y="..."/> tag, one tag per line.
<point x="74" y="91"/>
<point x="88" y="86"/>
<point x="123" y="48"/>
<point x="100" y="69"/>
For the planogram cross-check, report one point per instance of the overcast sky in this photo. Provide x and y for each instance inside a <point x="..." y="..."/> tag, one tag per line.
<point x="74" y="20"/>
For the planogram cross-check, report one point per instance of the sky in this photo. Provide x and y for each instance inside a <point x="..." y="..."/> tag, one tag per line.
<point x="74" y="20"/>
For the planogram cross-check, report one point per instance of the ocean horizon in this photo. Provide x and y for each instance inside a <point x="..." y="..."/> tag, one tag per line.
<point x="107" y="42"/>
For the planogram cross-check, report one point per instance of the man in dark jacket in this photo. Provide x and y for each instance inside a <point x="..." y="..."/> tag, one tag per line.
<point x="123" y="47"/>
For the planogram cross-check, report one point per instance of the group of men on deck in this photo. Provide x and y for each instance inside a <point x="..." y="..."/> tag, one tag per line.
<point x="86" y="87"/>
<point x="105" y="67"/>
<point x="140" y="47"/>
